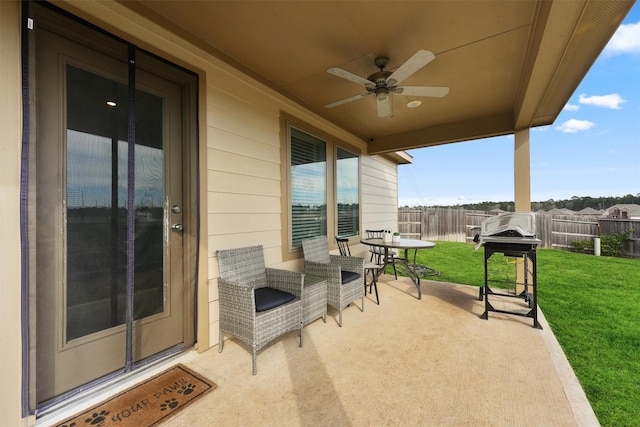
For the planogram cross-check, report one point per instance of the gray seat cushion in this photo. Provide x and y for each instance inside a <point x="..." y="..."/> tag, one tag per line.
<point x="348" y="276"/>
<point x="268" y="298"/>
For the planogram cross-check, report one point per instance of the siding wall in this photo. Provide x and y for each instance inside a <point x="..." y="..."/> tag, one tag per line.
<point x="11" y="131"/>
<point x="379" y="182"/>
<point x="243" y="178"/>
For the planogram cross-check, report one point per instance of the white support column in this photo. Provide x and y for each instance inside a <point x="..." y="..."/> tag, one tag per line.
<point x="522" y="186"/>
<point x="522" y="171"/>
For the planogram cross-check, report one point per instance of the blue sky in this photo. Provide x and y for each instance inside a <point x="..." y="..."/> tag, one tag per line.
<point x="592" y="149"/>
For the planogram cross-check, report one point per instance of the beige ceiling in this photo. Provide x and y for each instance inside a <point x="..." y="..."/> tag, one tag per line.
<point x="509" y="64"/>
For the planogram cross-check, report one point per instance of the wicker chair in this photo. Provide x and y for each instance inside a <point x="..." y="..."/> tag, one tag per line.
<point x="257" y="304"/>
<point x="344" y="274"/>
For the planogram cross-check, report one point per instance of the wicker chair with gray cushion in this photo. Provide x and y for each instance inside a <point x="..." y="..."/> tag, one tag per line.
<point x="257" y="304"/>
<point x="344" y="274"/>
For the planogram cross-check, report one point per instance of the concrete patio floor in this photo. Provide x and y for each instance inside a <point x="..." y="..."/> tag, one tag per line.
<point x="409" y="362"/>
<point x="403" y="362"/>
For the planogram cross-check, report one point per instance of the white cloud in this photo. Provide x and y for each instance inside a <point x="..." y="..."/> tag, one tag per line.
<point x="571" y="107"/>
<point x="625" y="40"/>
<point x="612" y="101"/>
<point x="573" y="126"/>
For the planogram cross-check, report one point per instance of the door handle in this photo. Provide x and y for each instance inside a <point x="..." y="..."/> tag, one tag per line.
<point x="177" y="227"/>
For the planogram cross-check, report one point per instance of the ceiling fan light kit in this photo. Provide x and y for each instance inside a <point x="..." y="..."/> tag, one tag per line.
<point x="382" y="83"/>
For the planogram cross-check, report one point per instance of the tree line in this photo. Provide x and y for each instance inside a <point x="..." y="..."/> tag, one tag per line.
<point x="575" y="203"/>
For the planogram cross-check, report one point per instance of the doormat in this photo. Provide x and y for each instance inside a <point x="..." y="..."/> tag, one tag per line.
<point x="148" y="403"/>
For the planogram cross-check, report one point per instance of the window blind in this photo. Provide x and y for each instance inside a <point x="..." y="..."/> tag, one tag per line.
<point x="308" y="187"/>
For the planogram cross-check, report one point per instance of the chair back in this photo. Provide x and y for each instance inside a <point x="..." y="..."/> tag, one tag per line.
<point x="375" y="234"/>
<point x="243" y="265"/>
<point x="343" y="246"/>
<point x="316" y="250"/>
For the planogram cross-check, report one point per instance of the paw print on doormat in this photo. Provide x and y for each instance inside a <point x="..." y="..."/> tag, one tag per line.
<point x="187" y="389"/>
<point x="97" y="418"/>
<point x="72" y="424"/>
<point x="169" y="404"/>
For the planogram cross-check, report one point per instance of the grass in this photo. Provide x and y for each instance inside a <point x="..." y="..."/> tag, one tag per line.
<point x="593" y="306"/>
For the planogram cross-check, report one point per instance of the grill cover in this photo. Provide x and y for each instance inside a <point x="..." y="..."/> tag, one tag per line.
<point x="510" y="224"/>
<point x="510" y="227"/>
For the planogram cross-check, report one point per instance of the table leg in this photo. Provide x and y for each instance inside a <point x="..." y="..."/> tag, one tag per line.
<point x="373" y="283"/>
<point x="385" y="261"/>
<point x="410" y="269"/>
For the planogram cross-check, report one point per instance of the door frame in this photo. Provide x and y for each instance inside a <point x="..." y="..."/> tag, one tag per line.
<point x="191" y="203"/>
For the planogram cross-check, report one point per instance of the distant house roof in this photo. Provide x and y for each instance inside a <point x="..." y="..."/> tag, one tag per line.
<point x="563" y="211"/>
<point x="630" y="211"/>
<point x="590" y="211"/>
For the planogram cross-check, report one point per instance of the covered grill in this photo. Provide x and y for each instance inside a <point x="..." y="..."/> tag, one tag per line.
<point x="513" y="235"/>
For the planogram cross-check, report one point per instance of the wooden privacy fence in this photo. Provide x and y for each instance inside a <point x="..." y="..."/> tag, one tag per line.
<point x="439" y="223"/>
<point x="624" y="226"/>
<point x="554" y="231"/>
<point x="558" y="231"/>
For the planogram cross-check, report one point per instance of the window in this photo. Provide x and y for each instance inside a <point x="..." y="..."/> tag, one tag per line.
<point x="321" y="174"/>
<point x="347" y="193"/>
<point x="308" y="187"/>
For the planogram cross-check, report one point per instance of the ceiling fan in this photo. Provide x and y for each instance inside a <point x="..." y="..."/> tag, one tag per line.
<point x="382" y="83"/>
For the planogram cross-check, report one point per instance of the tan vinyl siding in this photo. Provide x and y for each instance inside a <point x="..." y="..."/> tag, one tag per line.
<point x="379" y="179"/>
<point x="243" y="176"/>
<point x="11" y="128"/>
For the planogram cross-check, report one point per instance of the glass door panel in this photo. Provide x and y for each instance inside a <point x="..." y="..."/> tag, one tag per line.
<point x="97" y="162"/>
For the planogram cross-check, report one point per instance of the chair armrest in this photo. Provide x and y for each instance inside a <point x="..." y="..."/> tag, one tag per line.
<point x="236" y="296"/>
<point x="348" y="263"/>
<point x="285" y="280"/>
<point x="331" y="272"/>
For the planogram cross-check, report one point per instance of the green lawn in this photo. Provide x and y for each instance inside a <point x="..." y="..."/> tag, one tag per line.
<point x="593" y="306"/>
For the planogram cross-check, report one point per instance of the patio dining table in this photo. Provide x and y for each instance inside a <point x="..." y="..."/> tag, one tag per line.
<point x="412" y="269"/>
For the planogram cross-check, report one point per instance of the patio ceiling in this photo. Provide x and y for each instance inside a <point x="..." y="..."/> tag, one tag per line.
<point x="509" y="64"/>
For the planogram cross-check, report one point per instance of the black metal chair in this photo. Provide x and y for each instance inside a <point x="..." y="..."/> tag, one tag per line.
<point x="369" y="267"/>
<point x="378" y="252"/>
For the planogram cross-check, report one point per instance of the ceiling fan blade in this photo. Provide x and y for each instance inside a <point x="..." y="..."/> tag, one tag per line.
<point x="344" y="101"/>
<point x="413" y="64"/>
<point x="437" y="91"/>
<point x="384" y="106"/>
<point x="350" y="76"/>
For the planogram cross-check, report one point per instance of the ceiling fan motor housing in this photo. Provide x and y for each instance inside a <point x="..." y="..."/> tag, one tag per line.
<point x="382" y="83"/>
<point x="380" y="78"/>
